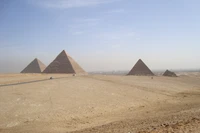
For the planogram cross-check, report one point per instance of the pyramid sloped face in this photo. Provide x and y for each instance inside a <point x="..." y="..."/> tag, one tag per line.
<point x="76" y="66"/>
<point x="36" y="66"/>
<point x="63" y="64"/>
<point x="41" y="65"/>
<point x="140" y="68"/>
<point x="169" y="74"/>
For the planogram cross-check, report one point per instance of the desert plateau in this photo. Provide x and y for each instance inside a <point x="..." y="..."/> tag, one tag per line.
<point x="32" y="103"/>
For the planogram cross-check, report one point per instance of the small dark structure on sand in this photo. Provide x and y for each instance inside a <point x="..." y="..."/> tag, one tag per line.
<point x="169" y="74"/>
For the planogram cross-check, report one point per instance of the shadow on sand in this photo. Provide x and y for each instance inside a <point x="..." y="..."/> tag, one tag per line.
<point x="28" y="82"/>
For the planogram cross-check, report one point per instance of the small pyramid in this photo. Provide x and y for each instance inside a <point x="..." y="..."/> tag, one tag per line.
<point x="63" y="63"/>
<point x="140" y="68"/>
<point x="169" y="74"/>
<point x="36" y="66"/>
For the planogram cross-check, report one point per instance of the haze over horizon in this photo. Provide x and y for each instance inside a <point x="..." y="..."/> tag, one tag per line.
<point x="101" y="35"/>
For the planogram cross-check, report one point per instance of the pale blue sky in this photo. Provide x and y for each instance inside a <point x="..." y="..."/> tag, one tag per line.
<point x="101" y="34"/>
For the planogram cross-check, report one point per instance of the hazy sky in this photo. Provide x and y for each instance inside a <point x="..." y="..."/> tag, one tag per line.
<point x="101" y="34"/>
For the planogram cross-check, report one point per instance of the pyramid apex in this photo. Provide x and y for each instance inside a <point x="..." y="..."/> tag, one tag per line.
<point x="36" y="59"/>
<point x="63" y="51"/>
<point x="140" y="60"/>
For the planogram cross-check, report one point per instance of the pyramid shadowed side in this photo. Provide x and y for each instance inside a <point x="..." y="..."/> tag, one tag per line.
<point x="36" y="66"/>
<point x="140" y="68"/>
<point x="63" y="64"/>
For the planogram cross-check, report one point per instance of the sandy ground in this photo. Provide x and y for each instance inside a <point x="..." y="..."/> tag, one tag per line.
<point x="99" y="103"/>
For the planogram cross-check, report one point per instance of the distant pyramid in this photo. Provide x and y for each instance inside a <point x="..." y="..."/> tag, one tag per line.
<point x="64" y="64"/>
<point x="169" y="74"/>
<point x="36" y="66"/>
<point x="140" y="69"/>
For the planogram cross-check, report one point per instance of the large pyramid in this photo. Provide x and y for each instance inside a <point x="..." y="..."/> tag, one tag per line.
<point x="36" y="66"/>
<point x="64" y="64"/>
<point x="140" y="69"/>
<point x="169" y="74"/>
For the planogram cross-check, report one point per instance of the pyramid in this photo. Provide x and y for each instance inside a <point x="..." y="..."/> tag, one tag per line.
<point x="36" y="66"/>
<point x="169" y="74"/>
<point x="63" y="63"/>
<point x="140" y="68"/>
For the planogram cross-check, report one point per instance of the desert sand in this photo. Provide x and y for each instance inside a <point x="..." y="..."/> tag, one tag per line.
<point x="32" y="103"/>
